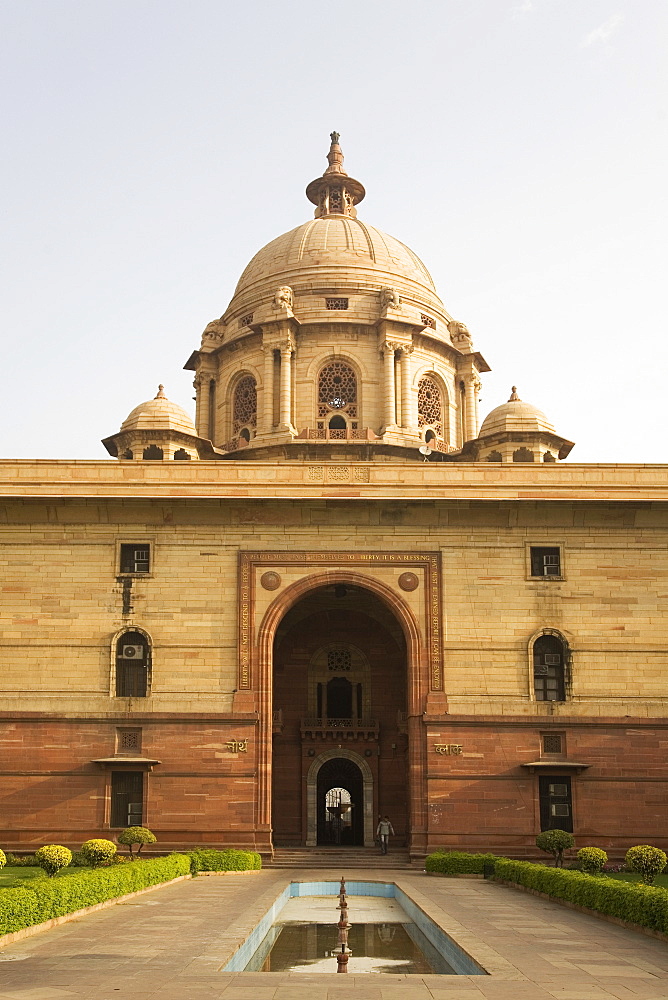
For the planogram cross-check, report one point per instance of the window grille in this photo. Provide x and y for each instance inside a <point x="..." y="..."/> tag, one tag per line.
<point x="244" y="409"/>
<point x="430" y="405"/>
<point x="339" y="659"/>
<point x="128" y="740"/>
<point x="336" y="303"/>
<point x="246" y="320"/>
<point x="552" y="743"/>
<point x="428" y="321"/>
<point x="337" y="389"/>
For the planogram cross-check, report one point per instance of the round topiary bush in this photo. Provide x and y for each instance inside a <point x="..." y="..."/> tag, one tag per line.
<point x="555" y="842"/>
<point x="3" y="859"/>
<point x="647" y="861"/>
<point x="592" y="860"/>
<point x="98" y="852"/>
<point x="52" y="858"/>
<point x="136" y="835"/>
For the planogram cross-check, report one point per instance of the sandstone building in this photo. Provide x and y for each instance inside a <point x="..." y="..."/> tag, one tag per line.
<point x="335" y="593"/>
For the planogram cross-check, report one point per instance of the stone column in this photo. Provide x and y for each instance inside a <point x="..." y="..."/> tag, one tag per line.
<point x="470" y="407"/>
<point x="389" y="400"/>
<point x="268" y="390"/>
<point x="286" y="385"/>
<point x="407" y="418"/>
<point x="204" y="396"/>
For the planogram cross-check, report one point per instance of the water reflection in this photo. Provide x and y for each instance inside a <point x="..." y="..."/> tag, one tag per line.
<point x="375" y="947"/>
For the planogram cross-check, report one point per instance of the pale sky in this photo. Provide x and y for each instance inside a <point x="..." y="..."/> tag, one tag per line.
<point x="151" y="147"/>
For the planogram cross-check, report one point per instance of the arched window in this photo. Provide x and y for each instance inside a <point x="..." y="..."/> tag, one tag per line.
<point x="548" y="457"/>
<point x="244" y="405"/>
<point x="133" y="663"/>
<point x="430" y="405"/>
<point x="495" y="456"/>
<point x="523" y="455"/>
<point x="153" y="453"/>
<point x="181" y="455"/>
<point x="337" y="423"/>
<point x="550" y="659"/>
<point x="337" y="389"/>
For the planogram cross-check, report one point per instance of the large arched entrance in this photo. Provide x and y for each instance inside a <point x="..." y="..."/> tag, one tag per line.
<point x="339" y="709"/>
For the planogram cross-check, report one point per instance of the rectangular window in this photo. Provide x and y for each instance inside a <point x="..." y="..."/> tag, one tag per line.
<point x="135" y="558"/>
<point x="556" y="807"/>
<point x="127" y="798"/>
<point x="552" y="743"/>
<point x="128" y="741"/>
<point x="545" y="561"/>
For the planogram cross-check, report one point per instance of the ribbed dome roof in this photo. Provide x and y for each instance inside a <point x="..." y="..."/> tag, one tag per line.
<point x="335" y="241"/>
<point x="159" y="414"/>
<point x="515" y="415"/>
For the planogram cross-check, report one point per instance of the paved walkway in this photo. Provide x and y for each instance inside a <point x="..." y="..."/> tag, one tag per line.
<point x="169" y="945"/>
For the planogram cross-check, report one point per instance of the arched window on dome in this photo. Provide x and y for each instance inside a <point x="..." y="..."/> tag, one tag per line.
<point x="244" y="408"/>
<point x="153" y="453"/>
<point x="550" y="656"/>
<point x="523" y="455"/>
<point x="430" y="405"/>
<point x="337" y="389"/>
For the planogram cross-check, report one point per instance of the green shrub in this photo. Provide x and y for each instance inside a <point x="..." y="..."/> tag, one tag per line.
<point x="555" y="842"/>
<point x="644" y="905"/>
<point x="22" y="861"/>
<point x="3" y="859"/>
<point x="592" y="860"/>
<point x="136" y="835"/>
<point x="98" y="852"/>
<point x="458" y="862"/>
<point x="231" y="860"/>
<point x="52" y="858"/>
<point x="648" y="861"/>
<point x="47" y="898"/>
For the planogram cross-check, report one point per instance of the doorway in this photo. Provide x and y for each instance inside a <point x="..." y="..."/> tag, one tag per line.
<point x="340" y="805"/>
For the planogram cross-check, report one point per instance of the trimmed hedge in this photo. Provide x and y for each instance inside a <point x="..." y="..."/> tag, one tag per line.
<point x="644" y="905"/>
<point x="46" y="898"/>
<point x="210" y="860"/>
<point x="458" y="862"/>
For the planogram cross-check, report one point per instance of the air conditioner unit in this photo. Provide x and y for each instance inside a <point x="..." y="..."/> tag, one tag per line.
<point x="553" y="659"/>
<point x="551" y="565"/>
<point x="561" y="809"/>
<point x="559" y="790"/>
<point x="540" y="670"/>
<point x="132" y="653"/>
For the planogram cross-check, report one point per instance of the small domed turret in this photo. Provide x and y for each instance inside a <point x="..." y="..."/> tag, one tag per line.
<point x="158" y="429"/>
<point x="518" y="432"/>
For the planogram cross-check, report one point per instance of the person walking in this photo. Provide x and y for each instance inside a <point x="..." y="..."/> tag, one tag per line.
<point x="383" y="833"/>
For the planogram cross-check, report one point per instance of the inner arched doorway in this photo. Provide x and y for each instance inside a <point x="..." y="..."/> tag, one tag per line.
<point x="339" y="706"/>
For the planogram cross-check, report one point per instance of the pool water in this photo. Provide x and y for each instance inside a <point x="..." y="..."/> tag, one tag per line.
<point x="374" y="947"/>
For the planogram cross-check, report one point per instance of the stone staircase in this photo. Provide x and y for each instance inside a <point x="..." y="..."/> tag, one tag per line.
<point x="341" y="859"/>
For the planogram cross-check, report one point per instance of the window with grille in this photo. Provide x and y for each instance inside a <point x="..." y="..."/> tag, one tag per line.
<point x="545" y="560"/>
<point x="128" y="741"/>
<point x="549" y="663"/>
<point x="135" y="558"/>
<point x="428" y="321"/>
<point x="132" y="665"/>
<point x="556" y="807"/>
<point x="339" y="659"/>
<point x="244" y="407"/>
<point x="337" y="389"/>
<point x="246" y="320"/>
<point x="430" y="405"/>
<point x="553" y="743"/>
<point x="336" y="303"/>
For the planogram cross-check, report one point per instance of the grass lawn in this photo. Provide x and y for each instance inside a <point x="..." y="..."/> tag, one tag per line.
<point x="661" y="881"/>
<point x="11" y="877"/>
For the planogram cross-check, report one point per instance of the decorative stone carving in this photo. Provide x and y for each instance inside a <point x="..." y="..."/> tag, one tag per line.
<point x="459" y="334"/>
<point x="270" y="581"/>
<point x="389" y="298"/>
<point x="409" y="581"/>
<point x="283" y="298"/>
<point x="391" y="346"/>
<point x="214" y="331"/>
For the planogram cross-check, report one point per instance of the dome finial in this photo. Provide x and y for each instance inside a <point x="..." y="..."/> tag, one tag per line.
<point x="161" y="392"/>
<point x="335" y="156"/>
<point x="335" y="193"/>
<point x="514" y="398"/>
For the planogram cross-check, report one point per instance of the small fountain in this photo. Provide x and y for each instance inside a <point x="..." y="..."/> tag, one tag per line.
<point x="344" y="952"/>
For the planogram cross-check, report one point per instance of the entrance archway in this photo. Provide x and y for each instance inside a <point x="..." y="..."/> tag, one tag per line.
<point x="340" y="697"/>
